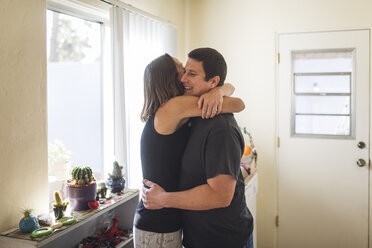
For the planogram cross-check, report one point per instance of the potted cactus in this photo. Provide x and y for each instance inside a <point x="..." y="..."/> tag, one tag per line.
<point x="59" y="206"/>
<point x="81" y="189"/>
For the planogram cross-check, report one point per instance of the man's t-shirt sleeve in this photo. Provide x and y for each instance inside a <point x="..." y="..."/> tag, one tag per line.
<point x="223" y="153"/>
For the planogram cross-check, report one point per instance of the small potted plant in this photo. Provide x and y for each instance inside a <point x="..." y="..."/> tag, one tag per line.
<point x="116" y="181"/>
<point x="28" y="223"/>
<point x="81" y="189"/>
<point x="59" y="206"/>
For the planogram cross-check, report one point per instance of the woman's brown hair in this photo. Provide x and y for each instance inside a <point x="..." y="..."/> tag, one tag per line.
<point x="160" y="84"/>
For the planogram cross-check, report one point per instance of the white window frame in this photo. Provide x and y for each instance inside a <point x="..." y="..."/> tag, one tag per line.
<point x="351" y="134"/>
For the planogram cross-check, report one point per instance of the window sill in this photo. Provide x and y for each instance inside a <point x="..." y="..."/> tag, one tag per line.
<point x="88" y="225"/>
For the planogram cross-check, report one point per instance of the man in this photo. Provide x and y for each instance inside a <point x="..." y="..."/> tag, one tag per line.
<point x="212" y="187"/>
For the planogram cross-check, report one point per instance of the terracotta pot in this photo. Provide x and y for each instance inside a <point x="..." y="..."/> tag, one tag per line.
<point x="80" y="195"/>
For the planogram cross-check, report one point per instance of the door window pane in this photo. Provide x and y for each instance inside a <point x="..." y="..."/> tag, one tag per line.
<point x="323" y="105"/>
<point x="322" y="83"/>
<point x="322" y="125"/>
<point x="323" y="61"/>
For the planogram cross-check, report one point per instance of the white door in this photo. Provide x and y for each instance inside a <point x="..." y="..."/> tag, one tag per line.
<point x="323" y="114"/>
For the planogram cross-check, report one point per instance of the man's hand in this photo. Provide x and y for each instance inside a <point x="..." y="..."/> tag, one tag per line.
<point x="211" y="103"/>
<point x="152" y="196"/>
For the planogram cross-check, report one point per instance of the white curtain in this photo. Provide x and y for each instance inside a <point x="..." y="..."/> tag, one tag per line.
<point x="137" y="40"/>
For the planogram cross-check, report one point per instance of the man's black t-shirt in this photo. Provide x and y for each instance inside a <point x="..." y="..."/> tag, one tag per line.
<point x="161" y="159"/>
<point x="215" y="147"/>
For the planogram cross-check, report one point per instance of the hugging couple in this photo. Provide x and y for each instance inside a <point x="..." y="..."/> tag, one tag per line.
<point x="191" y="147"/>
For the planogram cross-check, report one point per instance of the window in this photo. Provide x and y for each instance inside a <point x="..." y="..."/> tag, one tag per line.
<point x="322" y="93"/>
<point x="95" y="88"/>
<point x="79" y="105"/>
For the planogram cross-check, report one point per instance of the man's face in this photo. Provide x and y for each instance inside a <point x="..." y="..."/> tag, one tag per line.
<point x="194" y="79"/>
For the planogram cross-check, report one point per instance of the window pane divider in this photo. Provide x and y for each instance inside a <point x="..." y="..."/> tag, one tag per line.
<point x="321" y="73"/>
<point x="322" y="114"/>
<point x="322" y="94"/>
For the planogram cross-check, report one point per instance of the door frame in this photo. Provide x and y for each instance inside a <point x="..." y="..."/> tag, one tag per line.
<point x="277" y="141"/>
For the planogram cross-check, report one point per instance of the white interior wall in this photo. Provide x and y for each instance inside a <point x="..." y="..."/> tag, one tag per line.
<point x="23" y="132"/>
<point x="245" y="33"/>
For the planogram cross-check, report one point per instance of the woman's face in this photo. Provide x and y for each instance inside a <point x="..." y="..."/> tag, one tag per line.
<point x="180" y="68"/>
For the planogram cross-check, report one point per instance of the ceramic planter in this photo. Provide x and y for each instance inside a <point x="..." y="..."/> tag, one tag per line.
<point x="28" y="224"/>
<point x="116" y="184"/>
<point x="59" y="212"/>
<point x="80" y="195"/>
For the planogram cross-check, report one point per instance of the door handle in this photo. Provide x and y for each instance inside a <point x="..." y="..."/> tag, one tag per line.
<point x="361" y="162"/>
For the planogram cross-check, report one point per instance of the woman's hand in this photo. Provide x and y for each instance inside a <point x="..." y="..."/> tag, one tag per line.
<point x="211" y="103"/>
<point x="151" y="197"/>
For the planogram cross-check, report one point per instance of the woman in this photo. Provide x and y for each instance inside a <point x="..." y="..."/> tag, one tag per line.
<point x="164" y="139"/>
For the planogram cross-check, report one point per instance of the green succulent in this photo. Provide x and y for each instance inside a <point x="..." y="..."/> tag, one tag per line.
<point x="82" y="175"/>
<point x="27" y="212"/>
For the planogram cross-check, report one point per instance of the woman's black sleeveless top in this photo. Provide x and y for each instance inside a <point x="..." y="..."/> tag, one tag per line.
<point x="161" y="157"/>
